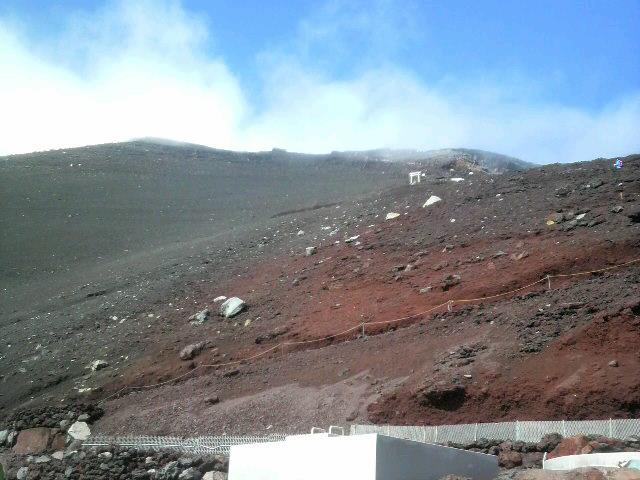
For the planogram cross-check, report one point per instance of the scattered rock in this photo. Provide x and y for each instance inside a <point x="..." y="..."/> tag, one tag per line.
<point x="634" y="214"/>
<point x="617" y="209"/>
<point x="190" y="474"/>
<point x="215" y="476"/>
<point x="79" y="431"/>
<point x="431" y="200"/>
<point x="613" y="363"/>
<point x="219" y="299"/>
<point x="202" y="316"/>
<point x="510" y="459"/>
<point x="519" y="256"/>
<point x="32" y="441"/>
<point x="98" y="365"/>
<point x="4" y="434"/>
<point x="569" y="446"/>
<point x="11" y="439"/>
<point x="59" y="455"/>
<point x="391" y="215"/>
<point x="213" y="400"/>
<point x="310" y="251"/>
<point x="231" y="307"/>
<point x="43" y="459"/>
<point x="499" y="254"/>
<point x="191" y="351"/>
<point x="83" y="417"/>
<point x="22" y="473"/>
<point x="352" y="239"/>
<point x="58" y="442"/>
<point x="425" y="289"/>
<point x="449" y="281"/>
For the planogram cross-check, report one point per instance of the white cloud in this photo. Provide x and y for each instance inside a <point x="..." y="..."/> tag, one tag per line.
<point x="146" y="69"/>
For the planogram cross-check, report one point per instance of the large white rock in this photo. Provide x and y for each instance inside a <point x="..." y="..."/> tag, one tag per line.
<point x="431" y="200"/>
<point x="231" y="307"/>
<point x="79" y="431"/>
<point x="391" y="215"/>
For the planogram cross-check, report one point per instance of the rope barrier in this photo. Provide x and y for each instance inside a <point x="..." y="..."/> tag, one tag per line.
<point x="363" y="325"/>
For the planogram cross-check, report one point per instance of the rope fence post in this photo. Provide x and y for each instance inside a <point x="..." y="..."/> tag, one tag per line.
<point x="548" y="282"/>
<point x="449" y="303"/>
<point x="475" y="433"/>
<point x="610" y="428"/>
<point x="363" y="332"/>
<point x="435" y="440"/>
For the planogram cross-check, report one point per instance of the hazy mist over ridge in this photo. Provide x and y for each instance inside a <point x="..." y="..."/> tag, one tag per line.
<point x="124" y="70"/>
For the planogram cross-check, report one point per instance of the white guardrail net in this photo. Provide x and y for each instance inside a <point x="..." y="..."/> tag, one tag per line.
<point x="530" y="431"/>
<point x="219" y="445"/>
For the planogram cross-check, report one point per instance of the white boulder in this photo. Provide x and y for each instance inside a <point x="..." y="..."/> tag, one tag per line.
<point x="431" y="200"/>
<point x="79" y="431"/>
<point x="231" y="307"/>
<point x="391" y="215"/>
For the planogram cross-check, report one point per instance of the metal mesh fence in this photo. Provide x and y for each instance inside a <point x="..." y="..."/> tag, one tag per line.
<point x="196" y="446"/>
<point x="531" y="431"/>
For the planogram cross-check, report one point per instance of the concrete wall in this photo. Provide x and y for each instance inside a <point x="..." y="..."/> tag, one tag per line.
<point x="569" y="462"/>
<point x="399" y="459"/>
<point x="355" y="457"/>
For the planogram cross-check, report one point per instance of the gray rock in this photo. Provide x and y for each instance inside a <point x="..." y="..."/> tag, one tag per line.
<point x="617" y="209"/>
<point x="215" y="476"/>
<point x="79" y="431"/>
<point x="200" y="317"/>
<point x="231" y="307"/>
<point x="83" y="418"/>
<point x="191" y="351"/>
<point x="170" y="471"/>
<point x="310" y="251"/>
<point x="185" y="462"/>
<point x="4" y="434"/>
<point x="43" y="459"/>
<point x="11" y="439"/>
<point x="64" y="424"/>
<point x="613" y="363"/>
<point x="68" y="471"/>
<point x="190" y="474"/>
<point x="22" y="473"/>
<point x="98" y="365"/>
<point x="105" y="455"/>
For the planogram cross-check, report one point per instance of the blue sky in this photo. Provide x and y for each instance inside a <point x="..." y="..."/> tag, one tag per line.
<point x="545" y="80"/>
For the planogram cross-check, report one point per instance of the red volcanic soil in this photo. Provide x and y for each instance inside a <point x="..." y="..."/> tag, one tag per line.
<point x="538" y="353"/>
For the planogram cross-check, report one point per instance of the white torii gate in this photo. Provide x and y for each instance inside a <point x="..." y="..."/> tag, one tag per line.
<point x="414" y="177"/>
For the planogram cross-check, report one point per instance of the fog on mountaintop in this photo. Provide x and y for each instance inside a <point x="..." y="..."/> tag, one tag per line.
<point x="136" y="70"/>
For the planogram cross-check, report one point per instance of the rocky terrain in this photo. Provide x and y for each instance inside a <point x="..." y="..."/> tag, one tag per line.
<point x="322" y="256"/>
